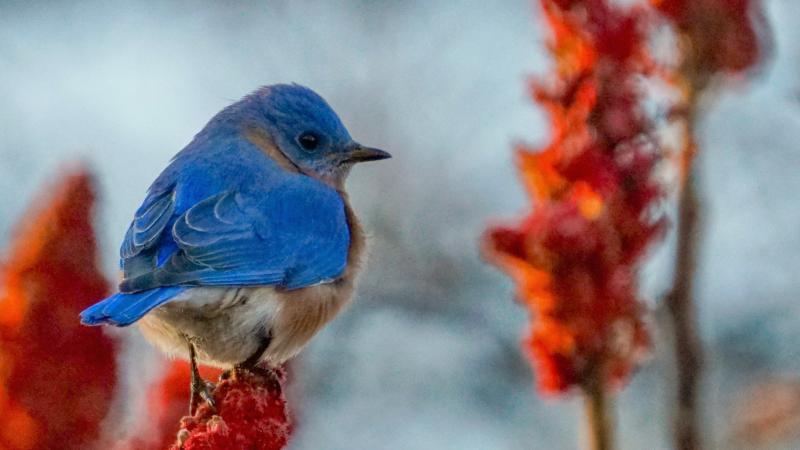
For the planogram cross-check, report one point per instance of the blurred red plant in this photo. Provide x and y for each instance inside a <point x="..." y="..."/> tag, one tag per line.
<point x="575" y="256"/>
<point x="596" y="203"/>
<point x="724" y="34"/>
<point x="47" y="359"/>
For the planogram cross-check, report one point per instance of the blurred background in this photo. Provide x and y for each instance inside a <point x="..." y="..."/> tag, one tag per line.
<point x="428" y="355"/>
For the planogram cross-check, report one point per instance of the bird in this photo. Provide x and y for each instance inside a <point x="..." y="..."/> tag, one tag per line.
<point x="246" y="244"/>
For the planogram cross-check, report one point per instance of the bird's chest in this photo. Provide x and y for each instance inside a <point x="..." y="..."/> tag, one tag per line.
<point x="303" y="312"/>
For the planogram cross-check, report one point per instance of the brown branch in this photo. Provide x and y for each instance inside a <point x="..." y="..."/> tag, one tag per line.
<point x="682" y="314"/>
<point x="598" y="414"/>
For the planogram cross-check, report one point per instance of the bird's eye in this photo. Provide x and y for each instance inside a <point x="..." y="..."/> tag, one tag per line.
<point x="309" y="141"/>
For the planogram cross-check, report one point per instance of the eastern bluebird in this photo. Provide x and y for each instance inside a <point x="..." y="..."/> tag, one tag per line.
<point x="246" y="244"/>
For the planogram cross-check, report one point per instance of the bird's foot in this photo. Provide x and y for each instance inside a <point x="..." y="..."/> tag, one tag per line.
<point x="254" y="365"/>
<point x="201" y="391"/>
<point x="269" y="374"/>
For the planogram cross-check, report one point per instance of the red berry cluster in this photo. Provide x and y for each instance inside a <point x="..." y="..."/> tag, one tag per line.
<point x="250" y="413"/>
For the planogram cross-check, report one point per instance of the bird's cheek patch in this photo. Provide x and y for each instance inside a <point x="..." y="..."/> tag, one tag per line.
<point x="266" y="144"/>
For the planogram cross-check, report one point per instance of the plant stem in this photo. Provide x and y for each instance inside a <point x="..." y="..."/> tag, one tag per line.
<point x="681" y="309"/>
<point x="598" y="413"/>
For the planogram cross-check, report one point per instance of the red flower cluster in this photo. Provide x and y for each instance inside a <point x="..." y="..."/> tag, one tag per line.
<point x="723" y="33"/>
<point x="575" y="256"/>
<point x="251" y="413"/>
<point x="57" y="378"/>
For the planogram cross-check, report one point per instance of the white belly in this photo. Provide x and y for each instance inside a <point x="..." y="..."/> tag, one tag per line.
<point x="228" y="325"/>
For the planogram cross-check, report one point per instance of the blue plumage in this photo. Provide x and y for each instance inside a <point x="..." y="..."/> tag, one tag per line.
<point x="253" y="200"/>
<point x="124" y="309"/>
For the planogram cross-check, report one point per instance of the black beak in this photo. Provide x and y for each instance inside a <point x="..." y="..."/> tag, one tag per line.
<point x="359" y="153"/>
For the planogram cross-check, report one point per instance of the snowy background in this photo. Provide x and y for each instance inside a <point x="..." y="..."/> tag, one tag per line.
<point x="427" y="357"/>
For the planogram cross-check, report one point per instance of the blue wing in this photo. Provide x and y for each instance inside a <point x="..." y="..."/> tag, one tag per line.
<point x="294" y="235"/>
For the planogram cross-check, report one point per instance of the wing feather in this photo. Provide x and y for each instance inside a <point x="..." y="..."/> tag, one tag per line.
<point x="149" y="223"/>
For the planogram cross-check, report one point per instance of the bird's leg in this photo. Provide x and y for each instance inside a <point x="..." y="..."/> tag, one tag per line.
<point x="199" y="387"/>
<point x="251" y="363"/>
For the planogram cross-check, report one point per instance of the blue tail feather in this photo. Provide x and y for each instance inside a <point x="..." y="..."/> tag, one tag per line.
<point x="123" y="309"/>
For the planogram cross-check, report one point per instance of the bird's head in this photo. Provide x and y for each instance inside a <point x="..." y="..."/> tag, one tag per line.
<point x="306" y="131"/>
